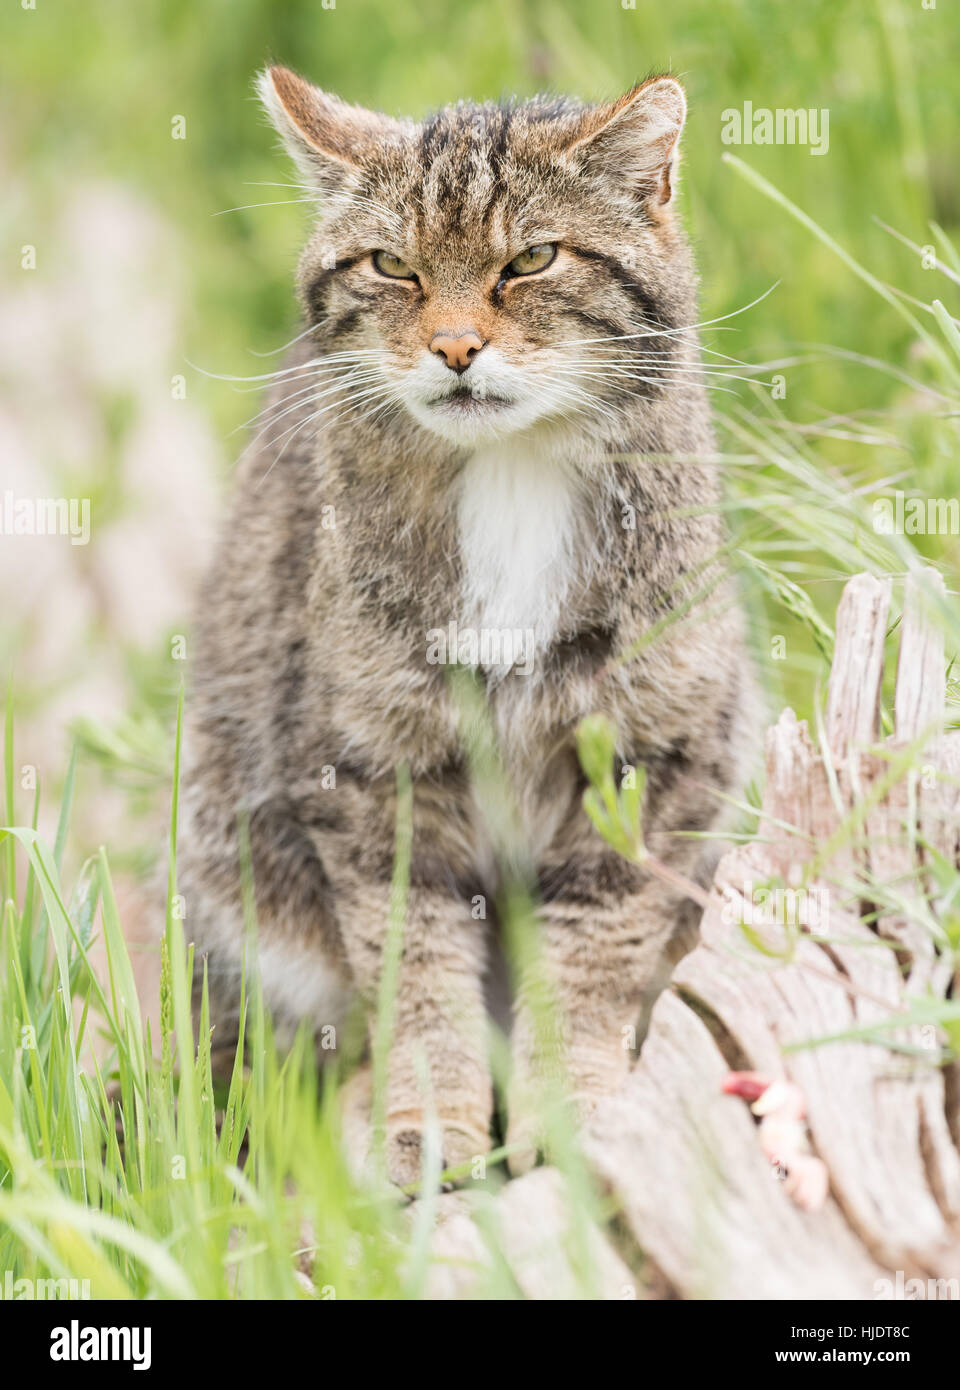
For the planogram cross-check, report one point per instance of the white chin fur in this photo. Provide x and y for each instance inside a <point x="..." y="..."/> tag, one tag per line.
<point x="475" y="426"/>
<point x="490" y="379"/>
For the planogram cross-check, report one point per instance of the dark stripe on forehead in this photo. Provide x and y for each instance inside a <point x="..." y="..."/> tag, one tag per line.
<point x="493" y="202"/>
<point x="448" y="190"/>
<point x="498" y="131"/>
<point x="432" y="138"/>
<point x="414" y="199"/>
<point x="501" y="121"/>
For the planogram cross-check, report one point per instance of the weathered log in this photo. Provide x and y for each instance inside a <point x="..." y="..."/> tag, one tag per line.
<point x="531" y="1226"/>
<point x="849" y="823"/>
<point x="551" y="1251"/>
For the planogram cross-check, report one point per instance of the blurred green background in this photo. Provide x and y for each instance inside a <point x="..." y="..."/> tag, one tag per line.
<point x="92" y="90"/>
<point x="91" y="100"/>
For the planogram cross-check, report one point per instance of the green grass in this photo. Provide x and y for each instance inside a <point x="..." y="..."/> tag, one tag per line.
<point x="120" y="1161"/>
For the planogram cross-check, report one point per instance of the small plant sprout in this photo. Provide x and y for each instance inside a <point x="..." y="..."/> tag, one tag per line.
<point x="617" y="812"/>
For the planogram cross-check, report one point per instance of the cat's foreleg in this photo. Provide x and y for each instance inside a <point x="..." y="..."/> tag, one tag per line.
<point x="437" y="1066"/>
<point x="604" y="949"/>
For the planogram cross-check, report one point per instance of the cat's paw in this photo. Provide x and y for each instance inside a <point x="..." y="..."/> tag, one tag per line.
<point x="526" y="1142"/>
<point x="462" y="1143"/>
<point x="532" y="1115"/>
<point x="538" y="1113"/>
<point x="529" y="1129"/>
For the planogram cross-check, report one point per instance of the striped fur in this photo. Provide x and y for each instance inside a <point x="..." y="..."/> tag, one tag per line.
<point x="570" y="491"/>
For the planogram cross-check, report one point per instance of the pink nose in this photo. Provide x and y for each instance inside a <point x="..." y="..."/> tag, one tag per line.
<point x="457" y="352"/>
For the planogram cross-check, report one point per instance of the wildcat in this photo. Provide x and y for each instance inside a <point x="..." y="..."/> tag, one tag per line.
<point x="494" y="418"/>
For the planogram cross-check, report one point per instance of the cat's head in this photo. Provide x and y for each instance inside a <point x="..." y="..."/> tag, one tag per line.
<point x="495" y="266"/>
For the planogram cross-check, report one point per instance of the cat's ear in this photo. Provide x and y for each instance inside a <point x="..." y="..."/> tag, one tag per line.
<point x="326" y="137"/>
<point x="634" y="139"/>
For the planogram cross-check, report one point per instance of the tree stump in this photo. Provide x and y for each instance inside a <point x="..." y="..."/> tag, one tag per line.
<point x="853" y="829"/>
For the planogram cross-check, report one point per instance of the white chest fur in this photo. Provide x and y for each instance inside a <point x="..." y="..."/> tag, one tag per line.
<point x="518" y="517"/>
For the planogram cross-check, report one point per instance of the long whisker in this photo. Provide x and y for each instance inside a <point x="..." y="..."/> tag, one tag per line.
<point x="310" y="328"/>
<point x="294" y="430"/>
<point x="274" y="183"/>
<point x="361" y="200"/>
<point x="317" y="373"/>
<point x="297" y="398"/>
<point x="347" y="199"/>
<point x="602" y="356"/>
<point x="671" y="332"/>
<point x="275" y="417"/>
<point x="624" y="365"/>
<point x="647" y="380"/>
<point x="588" y="399"/>
<point x="276" y="203"/>
<point x="371" y="413"/>
<point x="302" y="385"/>
<point x="287" y="371"/>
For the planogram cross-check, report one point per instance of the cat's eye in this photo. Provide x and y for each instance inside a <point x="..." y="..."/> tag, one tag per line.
<point x="533" y="259"/>
<point x="392" y="266"/>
